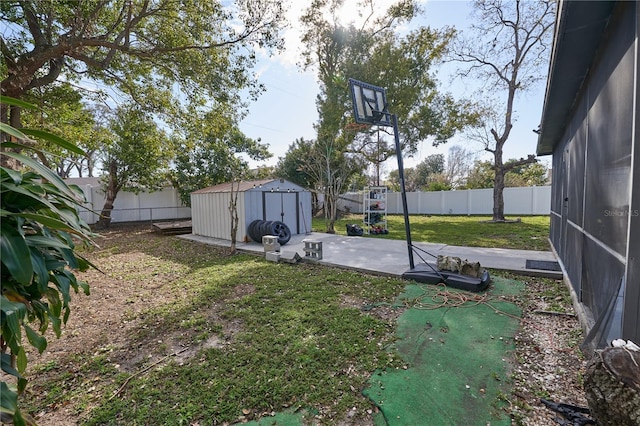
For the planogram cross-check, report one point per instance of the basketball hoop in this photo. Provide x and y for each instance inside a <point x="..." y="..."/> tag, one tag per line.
<point x="370" y="108"/>
<point x="369" y="104"/>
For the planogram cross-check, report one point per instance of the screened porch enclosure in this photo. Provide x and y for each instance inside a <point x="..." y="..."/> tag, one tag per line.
<point x="595" y="200"/>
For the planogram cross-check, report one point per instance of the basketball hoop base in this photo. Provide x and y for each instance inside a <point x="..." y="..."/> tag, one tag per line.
<point x="424" y="273"/>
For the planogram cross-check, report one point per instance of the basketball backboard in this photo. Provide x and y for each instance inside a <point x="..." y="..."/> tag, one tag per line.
<point x="369" y="103"/>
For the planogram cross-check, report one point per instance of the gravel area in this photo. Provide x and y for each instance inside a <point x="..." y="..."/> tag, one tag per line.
<point x="549" y="363"/>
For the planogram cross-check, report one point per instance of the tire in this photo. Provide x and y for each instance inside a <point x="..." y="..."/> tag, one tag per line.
<point x="265" y="228"/>
<point x="282" y="231"/>
<point x="253" y="232"/>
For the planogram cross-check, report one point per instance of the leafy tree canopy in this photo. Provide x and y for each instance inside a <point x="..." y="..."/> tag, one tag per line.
<point x="138" y="156"/>
<point x="176" y="59"/>
<point x="62" y="112"/>
<point x="208" y="146"/>
<point x="211" y="158"/>
<point x="146" y="49"/>
<point x="482" y="174"/>
<point x="377" y="54"/>
<point x="291" y="166"/>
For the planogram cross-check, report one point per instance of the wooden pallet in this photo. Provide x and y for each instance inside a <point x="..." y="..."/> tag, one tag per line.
<point x="173" y="228"/>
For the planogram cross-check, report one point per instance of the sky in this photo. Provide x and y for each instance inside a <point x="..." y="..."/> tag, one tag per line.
<point x="287" y="111"/>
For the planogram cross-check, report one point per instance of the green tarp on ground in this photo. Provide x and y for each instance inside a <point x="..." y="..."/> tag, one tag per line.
<point x="456" y="346"/>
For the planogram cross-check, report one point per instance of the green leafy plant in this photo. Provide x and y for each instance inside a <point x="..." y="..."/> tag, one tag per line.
<point x="40" y="228"/>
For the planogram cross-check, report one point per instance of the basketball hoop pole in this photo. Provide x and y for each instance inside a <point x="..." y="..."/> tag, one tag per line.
<point x="370" y="107"/>
<point x="405" y="210"/>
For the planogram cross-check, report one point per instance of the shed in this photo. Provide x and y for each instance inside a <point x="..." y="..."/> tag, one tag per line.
<point x="268" y="199"/>
<point x="590" y="124"/>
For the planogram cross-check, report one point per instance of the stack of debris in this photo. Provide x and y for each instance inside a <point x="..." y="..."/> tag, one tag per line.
<point x="455" y="264"/>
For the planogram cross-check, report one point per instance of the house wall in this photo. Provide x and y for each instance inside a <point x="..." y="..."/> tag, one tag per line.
<point x="591" y="208"/>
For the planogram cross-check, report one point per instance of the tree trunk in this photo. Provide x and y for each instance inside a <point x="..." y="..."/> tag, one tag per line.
<point x="498" y="196"/>
<point x="111" y="194"/>
<point x="89" y="163"/>
<point x="314" y="204"/>
<point x="329" y="212"/>
<point x="612" y="387"/>
<point x="233" y="210"/>
<point x="10" y="115"/>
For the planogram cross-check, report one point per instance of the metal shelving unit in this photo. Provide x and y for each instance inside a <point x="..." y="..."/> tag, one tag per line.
<point x="375" y="209"/>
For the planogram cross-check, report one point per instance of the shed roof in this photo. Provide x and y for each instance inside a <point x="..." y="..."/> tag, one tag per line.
<point x="244" y="186"/>
<point x="580" y="27"/>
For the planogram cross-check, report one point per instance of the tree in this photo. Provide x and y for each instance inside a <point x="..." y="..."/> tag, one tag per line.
<point x="162" y="54"/>
<point x="439" y="182"/>
<point x="428" y="169"/>
<point x="262" y="172"/>
<point x="376" y="54"/>
<point x="290" y="166"/>
<point x="529" y="174"/>
<point x="393" y="180"/>
<point x="40" y="230"/>
<point x="458" y="165"/>
<point x="233" y="212"/>
<point x="481" y="175"/>
<point x="293" y="167"/>
<point x="135" y="160"/>
<point x="427" y="172"/>
<point x="333" y="171"/>
<point x="208" y="159"/>
<point x="373" y="145"/>
<point x="62" y="112"/>
<point x="506" y="52"/>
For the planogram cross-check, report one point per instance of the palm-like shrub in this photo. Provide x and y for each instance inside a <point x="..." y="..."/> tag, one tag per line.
<point x="39" y="230"/>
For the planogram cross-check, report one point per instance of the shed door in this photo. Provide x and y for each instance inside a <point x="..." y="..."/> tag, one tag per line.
<point x="283" y="207"/>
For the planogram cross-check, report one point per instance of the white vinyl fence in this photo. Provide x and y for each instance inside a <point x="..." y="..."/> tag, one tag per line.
<point x="129" y="207"/>
<point x="166" y="205"/>
<point x="531" y="200"/>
